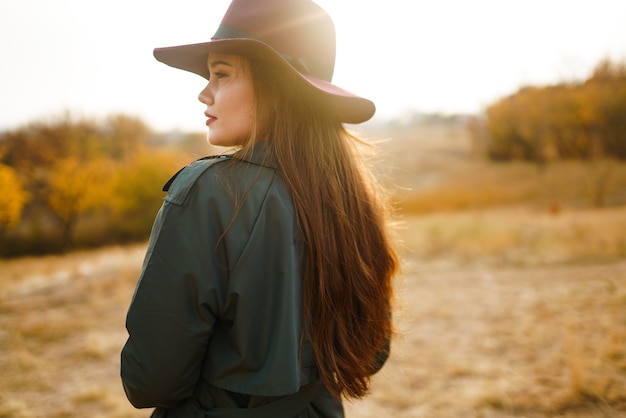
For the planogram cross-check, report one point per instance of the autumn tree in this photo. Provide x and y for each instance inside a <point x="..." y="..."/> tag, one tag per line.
<point x="583" y="120"/>
<point x="68" y="165"/>
<point x="76" y="187"/>
<point x="605" y="90"/>
<point x="12" y="199"/>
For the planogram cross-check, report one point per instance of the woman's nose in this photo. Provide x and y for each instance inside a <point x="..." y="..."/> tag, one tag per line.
<point x="205" y="95"/>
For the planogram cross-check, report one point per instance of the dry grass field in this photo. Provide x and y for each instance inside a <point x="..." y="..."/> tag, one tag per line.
<point x="504" y="309"/>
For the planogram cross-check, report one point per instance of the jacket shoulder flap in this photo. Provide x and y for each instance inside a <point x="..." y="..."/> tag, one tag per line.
<point x="180" y="184"/>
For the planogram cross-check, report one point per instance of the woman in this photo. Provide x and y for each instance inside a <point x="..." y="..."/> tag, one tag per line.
<point x="266" y="287"/>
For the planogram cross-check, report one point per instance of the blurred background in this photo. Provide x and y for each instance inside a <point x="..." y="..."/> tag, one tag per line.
<point x="500" y="134"/>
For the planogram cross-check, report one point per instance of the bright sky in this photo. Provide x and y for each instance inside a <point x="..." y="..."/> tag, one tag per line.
<point x="94" y="58"/>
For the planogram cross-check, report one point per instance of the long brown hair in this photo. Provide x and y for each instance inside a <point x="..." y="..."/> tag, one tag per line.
<point x="350" y="261"/>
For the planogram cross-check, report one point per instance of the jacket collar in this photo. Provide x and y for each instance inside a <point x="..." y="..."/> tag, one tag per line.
<point x="259" y="154"/>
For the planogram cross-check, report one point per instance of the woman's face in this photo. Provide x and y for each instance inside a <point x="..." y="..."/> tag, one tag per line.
<point x="229" y="100"/>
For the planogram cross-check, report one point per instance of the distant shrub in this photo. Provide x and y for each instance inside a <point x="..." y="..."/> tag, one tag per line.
<point x="138" y="193"/>
<point x="582" y="120"/>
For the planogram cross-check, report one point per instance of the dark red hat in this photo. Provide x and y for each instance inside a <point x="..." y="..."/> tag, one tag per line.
<point x="296" y="33"/>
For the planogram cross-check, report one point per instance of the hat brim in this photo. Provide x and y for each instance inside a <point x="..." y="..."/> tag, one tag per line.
<point x="193" y="58"/>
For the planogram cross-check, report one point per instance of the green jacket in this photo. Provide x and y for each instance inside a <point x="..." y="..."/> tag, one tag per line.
<point x="215" y="321"/>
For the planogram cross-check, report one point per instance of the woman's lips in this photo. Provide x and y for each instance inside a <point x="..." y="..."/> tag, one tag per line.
<point x="210" y="119"/>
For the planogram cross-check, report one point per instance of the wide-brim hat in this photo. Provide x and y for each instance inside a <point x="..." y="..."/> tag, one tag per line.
<point x="297" y="34"/>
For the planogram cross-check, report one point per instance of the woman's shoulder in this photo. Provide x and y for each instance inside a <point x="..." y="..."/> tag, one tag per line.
<point x="180" y="184"/>
<point x="223" y="175"/>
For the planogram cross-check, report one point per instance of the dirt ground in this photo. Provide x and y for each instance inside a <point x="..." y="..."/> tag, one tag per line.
<point x="471" y="342"/>
<point x="534" y="342"/>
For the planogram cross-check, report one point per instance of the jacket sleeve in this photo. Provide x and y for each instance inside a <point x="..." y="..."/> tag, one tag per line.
<point x="176" y="301"/>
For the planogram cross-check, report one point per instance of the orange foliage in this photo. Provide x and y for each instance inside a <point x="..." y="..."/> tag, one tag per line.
<point x="578" y="120"/>
<point x="12" y="199"/>
<point x="103" y="174"/>
<point x="75" y="188"/>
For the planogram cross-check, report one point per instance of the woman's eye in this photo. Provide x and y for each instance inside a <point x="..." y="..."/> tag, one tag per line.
<point x="219" y="75"/>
